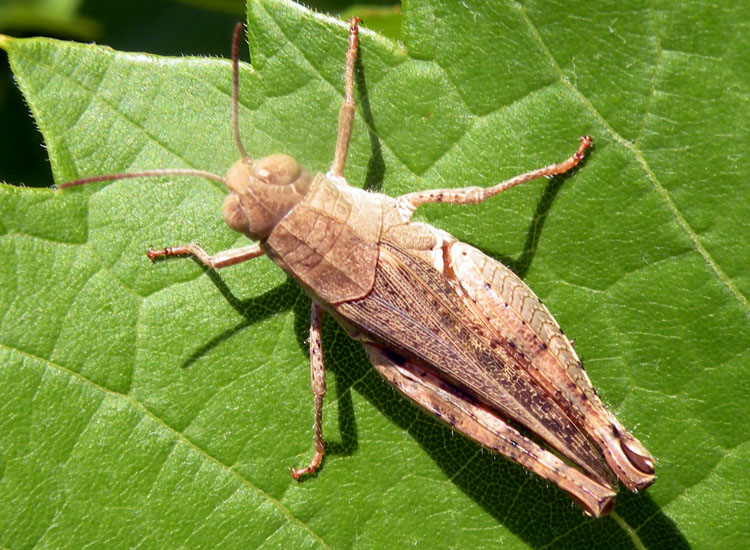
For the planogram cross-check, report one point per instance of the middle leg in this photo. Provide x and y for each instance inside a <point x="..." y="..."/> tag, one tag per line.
<point x="474" y="195"/>
<point x="318" y="379"/>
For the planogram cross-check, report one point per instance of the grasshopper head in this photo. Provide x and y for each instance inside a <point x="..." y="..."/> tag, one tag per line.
<point x="261" y="192"/>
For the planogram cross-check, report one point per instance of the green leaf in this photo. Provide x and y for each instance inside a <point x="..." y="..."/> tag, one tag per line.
<point x="160" y="406"/>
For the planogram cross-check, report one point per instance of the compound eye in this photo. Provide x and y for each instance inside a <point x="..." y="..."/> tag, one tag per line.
<point x="277" y="170"/>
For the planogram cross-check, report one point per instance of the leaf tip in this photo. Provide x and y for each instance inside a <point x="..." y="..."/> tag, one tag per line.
<point x="5" y="41"/>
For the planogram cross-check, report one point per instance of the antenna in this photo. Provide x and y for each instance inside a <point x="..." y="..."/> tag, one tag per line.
<point x="236" y="87"/>
<point x="145" y="174"/>
<point x="186" y="171"/>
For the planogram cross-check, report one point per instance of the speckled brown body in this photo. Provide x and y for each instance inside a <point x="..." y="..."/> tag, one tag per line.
<point x="427" y="306"/>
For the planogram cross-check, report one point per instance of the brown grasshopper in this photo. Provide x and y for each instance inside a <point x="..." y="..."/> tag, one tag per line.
<point x="453" y="330"/>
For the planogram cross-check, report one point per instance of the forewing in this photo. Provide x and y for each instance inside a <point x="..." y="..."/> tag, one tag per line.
<point x="503" y="300"/>
<point x="415" y="311"/>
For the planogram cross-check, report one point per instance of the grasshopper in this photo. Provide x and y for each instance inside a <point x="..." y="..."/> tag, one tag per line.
<point x="453" y="330"/>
